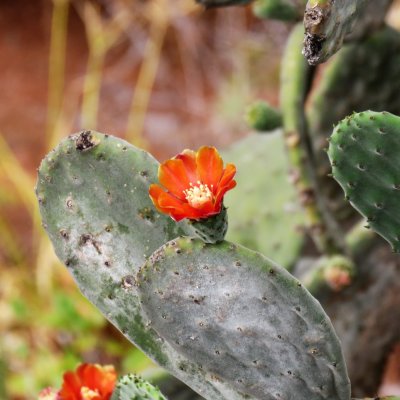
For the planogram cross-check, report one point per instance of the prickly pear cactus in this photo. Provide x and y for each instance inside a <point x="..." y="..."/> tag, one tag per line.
<point x="93" y="196"/>
<point x="364" y="153"/>
<point x="362" y="76"/>
<point x="329" y="23"/>
<point x="133" y="387"/>
<point x="243" y="320"/>
<point x="265" y="203"/>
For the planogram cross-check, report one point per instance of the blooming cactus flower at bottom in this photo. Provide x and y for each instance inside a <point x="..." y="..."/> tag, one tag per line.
<point x="88" y="382"/>
<point x="193" y="184"/>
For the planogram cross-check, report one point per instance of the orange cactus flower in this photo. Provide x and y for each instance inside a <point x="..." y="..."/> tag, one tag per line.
<point x="195" y="184"/>
<point x="89" y="382"/>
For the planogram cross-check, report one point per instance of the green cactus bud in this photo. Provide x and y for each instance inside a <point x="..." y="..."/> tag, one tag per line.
<point x="335" y="272"/>
<point x="212" y="229"/>
<point x="262" y="117"/>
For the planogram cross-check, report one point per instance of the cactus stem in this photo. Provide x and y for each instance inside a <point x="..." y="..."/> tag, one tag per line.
<point x="294" y="88"/>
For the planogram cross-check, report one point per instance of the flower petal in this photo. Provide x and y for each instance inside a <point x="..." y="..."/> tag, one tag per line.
<point x="172" y="175"/>
<point x="101" y="379"/>
<point x="71" y="387"/>
<point x="155" y="193"/>
<point x="222" y="190"/>
<point x="166" y="202"/>
<point x="93" y="377"/>
<point x="209" y="167"/>
<point x="227" y="175"/>
<point x="188" y="158"/>
<point x="176" y="209"/>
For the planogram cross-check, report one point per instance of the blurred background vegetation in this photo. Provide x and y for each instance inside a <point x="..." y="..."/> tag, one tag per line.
<point x="164" y="75"/>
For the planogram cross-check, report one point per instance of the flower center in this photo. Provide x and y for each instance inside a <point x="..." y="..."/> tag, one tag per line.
<point x="88" y="394"/>
<point x="198" y="194"/>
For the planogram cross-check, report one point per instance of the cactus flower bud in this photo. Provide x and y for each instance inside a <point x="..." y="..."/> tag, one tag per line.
<point x="337" y="278"/>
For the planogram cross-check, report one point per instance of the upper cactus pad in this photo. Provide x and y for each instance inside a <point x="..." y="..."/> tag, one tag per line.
<point x="362" y="76"/>
<point x="242" y="320"/>
<point x="364" y="153"/>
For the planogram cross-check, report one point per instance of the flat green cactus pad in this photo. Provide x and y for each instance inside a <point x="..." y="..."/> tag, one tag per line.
<point x="329" y="23"/>
<point x="243" y="320"/>
<point x="263" y="211"/>
<point x="93" y="195"/>
<point x="364" y="153"/>
<point x="362" y="76"/>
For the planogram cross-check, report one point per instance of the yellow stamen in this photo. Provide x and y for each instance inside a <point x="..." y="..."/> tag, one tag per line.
<point x="88" y="394"/>
<point x="198" y="194"/>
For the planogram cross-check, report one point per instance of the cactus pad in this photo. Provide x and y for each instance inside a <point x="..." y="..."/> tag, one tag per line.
<point x="364" y="153"/>
<point x="360" y="77"/>
<point x="132" y="387"/>
<point x="93" y="195"/>
<point x="243" y="320"/>
<point x="264" y="214"/>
